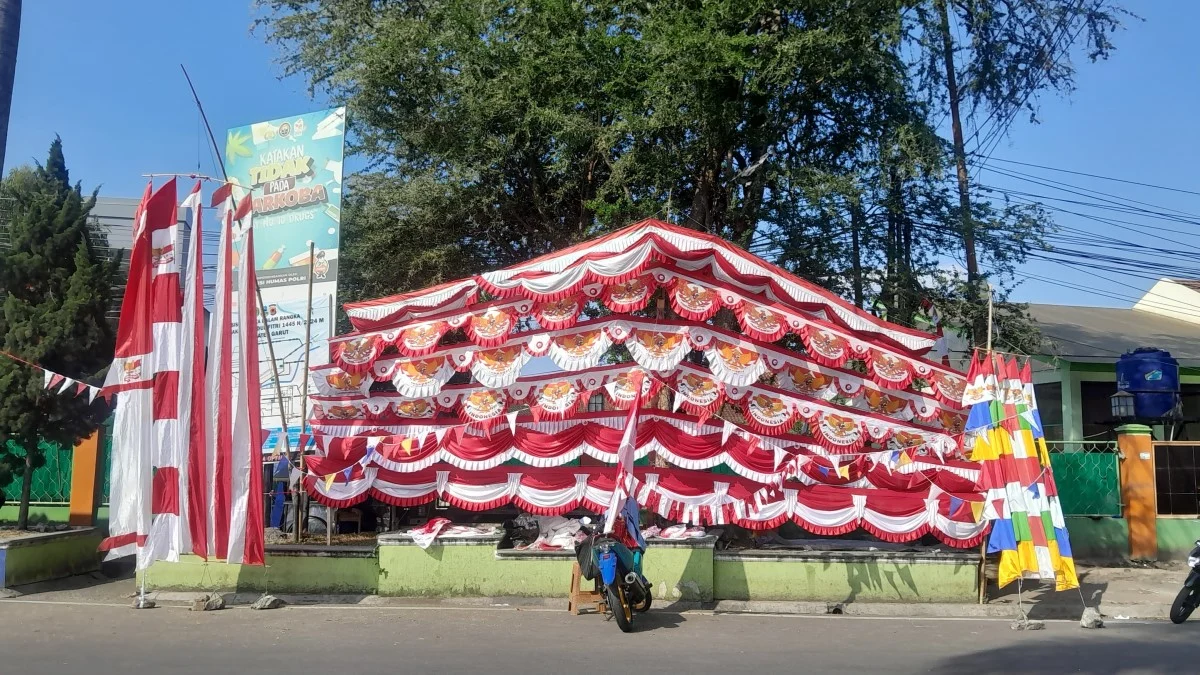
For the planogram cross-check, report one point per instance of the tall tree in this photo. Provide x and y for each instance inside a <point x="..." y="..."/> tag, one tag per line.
<point x="10" y="35"/>
<point x="1010" y="52"/>
<point x="56" y="289"/>
<point x="498" y="130"/>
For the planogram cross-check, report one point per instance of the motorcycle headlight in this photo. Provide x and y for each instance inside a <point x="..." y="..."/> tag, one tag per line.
<point x="1193" y="560"/>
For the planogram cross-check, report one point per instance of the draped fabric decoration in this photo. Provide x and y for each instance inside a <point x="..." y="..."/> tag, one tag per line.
<point x="656" y="345"/>
<point x="857" y="431"/>
<point x="1004" y="433"/>
<point x="678" y="495"/>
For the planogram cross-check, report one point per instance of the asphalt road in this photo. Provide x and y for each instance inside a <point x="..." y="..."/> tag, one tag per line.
<point x="39" y="638"/>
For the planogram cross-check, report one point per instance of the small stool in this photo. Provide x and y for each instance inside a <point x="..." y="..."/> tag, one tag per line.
<point x="578" y="597"/>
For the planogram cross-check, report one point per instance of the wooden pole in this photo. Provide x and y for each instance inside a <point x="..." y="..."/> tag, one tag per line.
<point x="983" y="544"/>
<point x="262" y="310"/>
<point x="296" y="496"/>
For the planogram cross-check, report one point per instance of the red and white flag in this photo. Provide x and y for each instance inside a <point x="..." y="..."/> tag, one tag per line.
<point x="171" y="492"/>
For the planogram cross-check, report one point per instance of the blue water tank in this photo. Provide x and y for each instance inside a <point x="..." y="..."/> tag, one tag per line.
<point x="1152" y="376"/>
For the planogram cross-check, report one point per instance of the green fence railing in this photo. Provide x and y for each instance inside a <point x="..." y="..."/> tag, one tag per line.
<point x="1088" y="477"/>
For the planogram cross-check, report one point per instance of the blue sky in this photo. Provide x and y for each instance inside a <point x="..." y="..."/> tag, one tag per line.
<point x="108" y="81"/>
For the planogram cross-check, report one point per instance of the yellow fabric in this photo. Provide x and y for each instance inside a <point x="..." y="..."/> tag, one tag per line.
<point x="1043" y="452"/>
<point x="407" y="444"/>
<point x="1010" y="568"/>
<point x="1002" y="442"/>
<point x="844" y="472"/>
<point x="329" y="481"/>
<point x="977" y="510"/>
<point x="1064" y="570"/>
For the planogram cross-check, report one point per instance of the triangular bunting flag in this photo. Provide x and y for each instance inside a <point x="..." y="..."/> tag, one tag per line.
<point x="303" y="442"/>
<point x="678" y="402"/>
<point x="47" y="379"/>
<point x="457" y="431"/>
<point x="439" y="434"/>
<point x="92" y="391"/>
<point x="977" y="510"/>
<point x="329" y="481"/>
<point x="512" y="422"/>
<point x="727" y="431"/>
<point x="780" y="455"/>
<point x="904" y="459"/>
<point x="955" y="503"/>
<point x="67" y="383"/>
<point x="407" y="445"/>
<point x="79" y="387"/>
<point x="844" y="471"/>
<point x="536" y="412"/>
<point x="347" y="471"/>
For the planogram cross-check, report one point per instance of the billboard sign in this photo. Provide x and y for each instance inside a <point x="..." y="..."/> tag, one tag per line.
<point x="292" y="167"/>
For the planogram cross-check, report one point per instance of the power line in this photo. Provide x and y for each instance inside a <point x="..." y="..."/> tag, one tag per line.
<point x="1098" y="176"/>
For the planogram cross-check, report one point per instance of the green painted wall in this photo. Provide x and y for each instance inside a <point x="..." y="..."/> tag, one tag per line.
<point x="1098" y="539"/>
<point x="467" y="570"/>
<point x="475" y="570"/>
<point x="50" y="556"/>
<point x="1176" y="537"/>
<point x="282" y="574"/>
<point x="680" y="573"/>
<point x="47" y="513"/>
<point x="741" y="577"/>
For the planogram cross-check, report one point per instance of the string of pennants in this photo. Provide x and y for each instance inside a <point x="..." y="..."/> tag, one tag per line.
<point x="58" y="381"/>
<point x="51" y="380"/>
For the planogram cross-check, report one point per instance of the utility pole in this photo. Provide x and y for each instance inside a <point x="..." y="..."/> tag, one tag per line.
<point x="960" y="160"/>
<point x="10" y="35"/>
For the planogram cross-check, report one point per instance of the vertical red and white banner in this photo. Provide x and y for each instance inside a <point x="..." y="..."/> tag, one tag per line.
<point x="193" y="408"/>
<point x="246" y="536"/>
<point x="144" y="378"/>
<point x="626" y="453"/>
<point x="187" y="464"/>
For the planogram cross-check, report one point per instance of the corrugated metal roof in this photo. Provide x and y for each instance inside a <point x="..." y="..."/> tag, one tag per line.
<point x="1103" y="333"/>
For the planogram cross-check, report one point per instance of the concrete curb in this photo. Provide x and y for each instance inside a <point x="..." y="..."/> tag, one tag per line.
<point x="1065" y="611"/>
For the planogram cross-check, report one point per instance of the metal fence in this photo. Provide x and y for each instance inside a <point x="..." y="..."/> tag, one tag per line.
<point x="1088" y="477"/>
<point x="51" y="482"/>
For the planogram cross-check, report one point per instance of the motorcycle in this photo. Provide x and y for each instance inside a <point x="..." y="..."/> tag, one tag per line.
<point x="1189" y="596"/>
<point x="617" y="573"/>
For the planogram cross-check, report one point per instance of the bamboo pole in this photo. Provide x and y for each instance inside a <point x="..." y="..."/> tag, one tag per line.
<point x="296" y="496"/>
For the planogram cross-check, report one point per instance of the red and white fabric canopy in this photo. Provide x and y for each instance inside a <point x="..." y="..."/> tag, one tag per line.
<point x="657" y="345"/>
<point x="679" y="495"/>
<point x="696" y="390"/>
<point x="672" y="437"/>
<point x="628" y="254"/>
<point x="880" y="453"/>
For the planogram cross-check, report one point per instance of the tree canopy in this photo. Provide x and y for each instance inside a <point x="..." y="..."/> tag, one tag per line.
<point x="804" y="130"/>
<point x="57" y="289"/>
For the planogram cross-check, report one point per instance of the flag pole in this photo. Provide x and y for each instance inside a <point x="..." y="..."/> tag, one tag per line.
<point x="262" y="309"/>
<point x="983" y="544"/>
<point x="304" y="391"/>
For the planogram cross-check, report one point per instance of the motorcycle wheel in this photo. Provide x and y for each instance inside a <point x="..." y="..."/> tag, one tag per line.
<point x="618" y="604"/>
<point x="644" y="605"/>
<point x="1184" y="603"/>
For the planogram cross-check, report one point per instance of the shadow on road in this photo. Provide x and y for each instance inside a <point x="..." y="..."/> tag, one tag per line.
<point x="659" y="619"/>
<point x="1083" y="654"/>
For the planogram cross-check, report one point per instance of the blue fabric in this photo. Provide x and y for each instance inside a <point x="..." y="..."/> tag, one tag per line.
<point x="1003" y="537"/>
<point x="1033" y="490"/>
<point x="955" y="502"/>
<point x="1064" y="542"/>
<point x="283" y="471"/>
<point x="980" y="416"/>
<point x="629" y="511"/>
<point x="1037" y="424"/>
